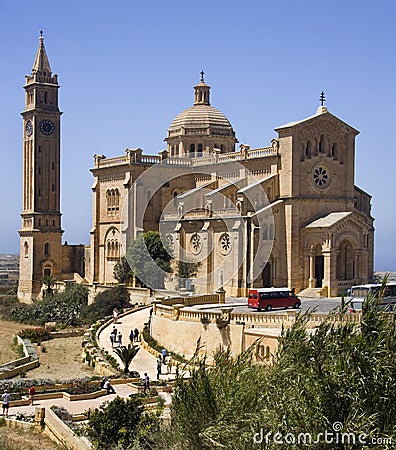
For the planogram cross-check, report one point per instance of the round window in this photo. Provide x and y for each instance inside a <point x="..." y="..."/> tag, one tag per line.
<point x="195" y="243"/>
<point x="225" y="243"/>
<point x="321" y="177"/>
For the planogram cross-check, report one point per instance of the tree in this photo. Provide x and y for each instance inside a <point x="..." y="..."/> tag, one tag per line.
<point x="126" y="355"/>
<point x="122" y="272"/>
<point x="149" y="259"/>
<point x="48" y="281"/>
<point x="115" y="424"/>
<point x="186" y="270"/>
<point x="105" y="302"/>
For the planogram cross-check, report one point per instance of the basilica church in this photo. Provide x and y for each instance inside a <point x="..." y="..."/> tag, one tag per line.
<point x="285" y="214"/>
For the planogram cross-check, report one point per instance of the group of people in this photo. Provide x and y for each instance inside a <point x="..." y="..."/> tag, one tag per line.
<point x="115" y="337"/>
<point x="166" y="360"/>
<point x="6" y="398"/>
<point x="134" y="336"/>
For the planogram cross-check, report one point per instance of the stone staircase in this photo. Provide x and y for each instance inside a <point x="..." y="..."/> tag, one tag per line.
<point x="313" y="292"/>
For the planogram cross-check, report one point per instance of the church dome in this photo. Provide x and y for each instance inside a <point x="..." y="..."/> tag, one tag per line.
<point x="200" y="116"/>
<point x="200" y="129"/>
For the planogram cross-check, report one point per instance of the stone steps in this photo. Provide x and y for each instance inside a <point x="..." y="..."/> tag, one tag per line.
<point x="313" y="292"/>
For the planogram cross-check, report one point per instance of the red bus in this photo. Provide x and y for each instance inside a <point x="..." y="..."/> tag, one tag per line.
<point x="269" y="298"/>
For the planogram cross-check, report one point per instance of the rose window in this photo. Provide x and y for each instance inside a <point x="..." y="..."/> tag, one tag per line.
<point x="196" y="244"/>
<point x="225" y="243"/>
<point x="321" y="177"/>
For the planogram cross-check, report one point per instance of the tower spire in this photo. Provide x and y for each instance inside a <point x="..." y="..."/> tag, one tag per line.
<point x="41" y="63"/>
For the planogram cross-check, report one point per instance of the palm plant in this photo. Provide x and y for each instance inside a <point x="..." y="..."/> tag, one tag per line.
<point x="126" y="354"/>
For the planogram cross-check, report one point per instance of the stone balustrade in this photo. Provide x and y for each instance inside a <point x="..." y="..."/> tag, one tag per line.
<point x="252" y="319"/>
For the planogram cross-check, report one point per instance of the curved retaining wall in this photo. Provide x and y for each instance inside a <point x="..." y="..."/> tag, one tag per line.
<point x="179" y="328"/>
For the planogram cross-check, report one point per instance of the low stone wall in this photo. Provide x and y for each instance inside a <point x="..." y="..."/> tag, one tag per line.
<point x="193" y="300"/>
<point x="57" y="430"/>
<point x="28" y="362"/>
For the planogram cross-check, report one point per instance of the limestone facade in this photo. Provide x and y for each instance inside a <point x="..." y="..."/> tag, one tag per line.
<point x="288" y="214"/>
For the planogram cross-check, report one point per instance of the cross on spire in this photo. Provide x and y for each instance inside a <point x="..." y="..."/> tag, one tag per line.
<point x="202" y="77"/>
<point x="322" y="98"/>
<point x="41" y="33"/>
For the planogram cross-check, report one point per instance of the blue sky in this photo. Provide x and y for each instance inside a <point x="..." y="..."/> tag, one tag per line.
<point x="127" y="68"/>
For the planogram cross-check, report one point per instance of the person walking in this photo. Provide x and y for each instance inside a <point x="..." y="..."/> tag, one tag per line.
<point x="159" y="364"/>
<point x="146" y="383"/>
<point x="32" y="391"/>
<point x="169" y="364"/>
<point x="5" y="398"/>
<point x="131" y="337"/>
<point x="114" y="333"/>
<point x="119" y="339"/>
<point x="163" y="353"/>
<point x="112" y="339"/>
<point x="115" y="315"/>
<point x="136" y="335"/>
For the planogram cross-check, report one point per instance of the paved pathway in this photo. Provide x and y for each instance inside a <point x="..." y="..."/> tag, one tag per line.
<point x="143" y="362"/>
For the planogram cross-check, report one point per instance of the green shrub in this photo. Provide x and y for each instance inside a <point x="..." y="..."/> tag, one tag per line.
<point x="115" y="424"/>
<point x="64" y="308"/>
<point x="104" y="303"/>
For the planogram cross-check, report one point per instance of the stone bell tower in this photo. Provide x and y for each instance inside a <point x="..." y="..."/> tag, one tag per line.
<point x="41" y="233"/>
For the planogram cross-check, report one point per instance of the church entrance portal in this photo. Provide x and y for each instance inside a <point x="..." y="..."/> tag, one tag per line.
<point x="266" y="275"/>
<point x="319" y="270"/>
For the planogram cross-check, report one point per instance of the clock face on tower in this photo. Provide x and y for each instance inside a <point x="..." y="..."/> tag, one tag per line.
<point x="47" y="127"/>
<point x="29" y="128"/>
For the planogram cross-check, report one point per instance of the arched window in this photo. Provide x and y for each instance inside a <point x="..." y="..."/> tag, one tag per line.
<point x="192" y="149"/>
<point x="321" y="144"/>
<point x="334" y="150"/>
<point x="308" y="149"/>
<point x="26" y="249"/>
<point x="45" y="97"/>
<point x="113" y="201"/>
<point x="47" y="272"/>
<point x="199" y="150"/>
<point x="46" y="249"/>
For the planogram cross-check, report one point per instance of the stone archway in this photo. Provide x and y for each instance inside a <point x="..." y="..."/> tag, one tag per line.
<point x="266" y="275"/>
<point x="345" y="268"/>
<point x="319" y="270"/>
